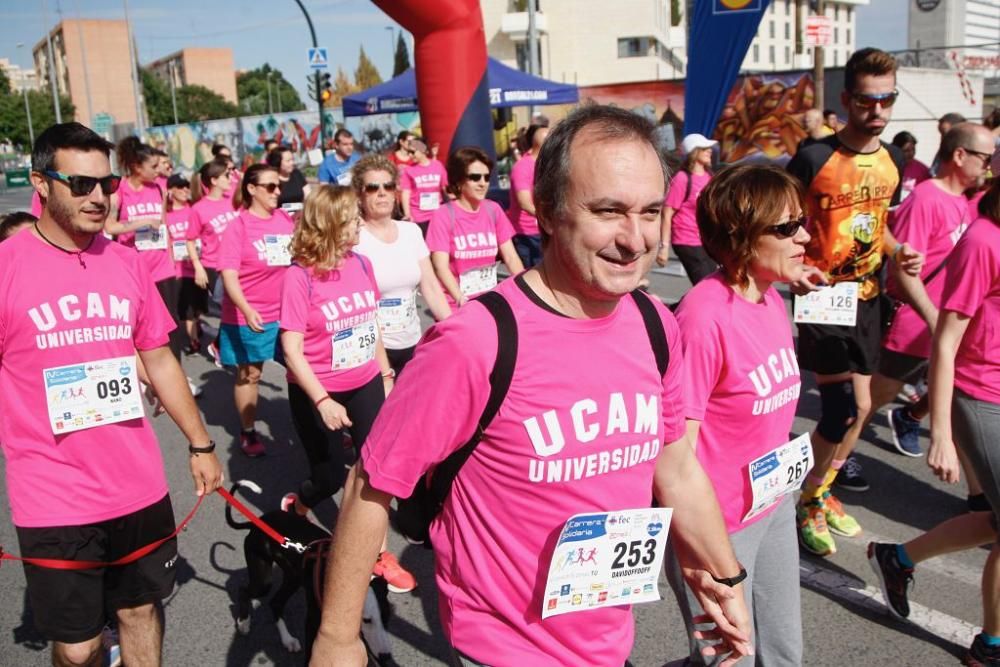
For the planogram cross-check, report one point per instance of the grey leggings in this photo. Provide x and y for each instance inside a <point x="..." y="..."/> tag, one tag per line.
<point x="975" y="426"/>
<point x="769" y="551"/>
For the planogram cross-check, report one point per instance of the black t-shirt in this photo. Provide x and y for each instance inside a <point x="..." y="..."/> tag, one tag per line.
<point x="292" y="190"/>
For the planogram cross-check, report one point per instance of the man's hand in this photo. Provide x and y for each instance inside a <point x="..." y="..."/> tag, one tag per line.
<point x="943" y="459"/>
<point x="328" y="653"/>
<point x="908" y="259"/>
<point x="725" y="608"/>
<point x="207" y="473"/>
<point x="812" y="279"/>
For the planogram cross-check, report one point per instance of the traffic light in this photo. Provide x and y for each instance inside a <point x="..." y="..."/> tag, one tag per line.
<point x="325" y="87"/>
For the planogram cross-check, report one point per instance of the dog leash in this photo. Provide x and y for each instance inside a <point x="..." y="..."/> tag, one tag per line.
<point x="61" y="564"/>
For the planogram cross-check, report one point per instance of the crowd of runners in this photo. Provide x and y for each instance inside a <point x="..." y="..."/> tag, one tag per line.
<point x="564" y="393"/>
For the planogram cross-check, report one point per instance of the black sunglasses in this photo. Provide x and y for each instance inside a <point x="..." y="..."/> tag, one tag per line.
<point x="475" y="178"/>
<point x="786" y="230"/>
<point x="270" y="187"/>
<point x="81" y="186"/>
<point x="372" y="188"/>
<point x="986" y="157"/>
<point x="863" y="101"/>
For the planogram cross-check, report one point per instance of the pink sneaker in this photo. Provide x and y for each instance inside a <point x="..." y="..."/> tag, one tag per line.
<point x="251" y="445"/>
<point x="397" y="578"/>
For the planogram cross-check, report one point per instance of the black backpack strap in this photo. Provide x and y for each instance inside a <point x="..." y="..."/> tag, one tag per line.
<point x="654" y="329"/>
<point x="500" y="377"/>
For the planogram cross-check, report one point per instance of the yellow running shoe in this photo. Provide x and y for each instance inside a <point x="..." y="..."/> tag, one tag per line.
<point x="814" y="536"/>
<point x="839" y="521"/>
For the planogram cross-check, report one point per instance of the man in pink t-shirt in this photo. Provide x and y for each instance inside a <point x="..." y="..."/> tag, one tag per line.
<point x="931" y="220"/>
<point x="527" y="240"/>
<point x="81" y="323"/>
<point x="588" y="425"/>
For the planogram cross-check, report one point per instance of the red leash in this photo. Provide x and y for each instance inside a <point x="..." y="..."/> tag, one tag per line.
<point x="60" y="564"/>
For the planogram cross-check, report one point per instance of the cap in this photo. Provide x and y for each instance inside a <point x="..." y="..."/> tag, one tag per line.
<point x="695" y="141"/>
<point x="177" y="181"/>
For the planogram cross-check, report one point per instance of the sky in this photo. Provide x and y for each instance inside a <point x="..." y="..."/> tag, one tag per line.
<point x="275" y="32"/>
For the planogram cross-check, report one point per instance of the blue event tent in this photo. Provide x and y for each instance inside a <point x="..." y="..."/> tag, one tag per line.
<point x="508" y="88"/>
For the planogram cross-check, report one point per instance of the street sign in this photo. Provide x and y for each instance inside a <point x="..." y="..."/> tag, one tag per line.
<point x="318" y="58"/>
<point x="819" y="30"/>
<point x="101" y="124"/>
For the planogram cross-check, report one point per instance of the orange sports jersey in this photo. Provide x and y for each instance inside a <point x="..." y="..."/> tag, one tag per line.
<point x="848" y="200"/>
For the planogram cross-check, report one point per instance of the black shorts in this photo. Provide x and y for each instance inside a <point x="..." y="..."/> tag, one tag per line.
<point x="399" y="358"/>
<point x="193" y="300"/>
<point x="904" y="368"/>
<point x="829" y="350"/>
<point x="72" y="606"/>
<point x="696" y="262"/>
<point x="169" y="289"/>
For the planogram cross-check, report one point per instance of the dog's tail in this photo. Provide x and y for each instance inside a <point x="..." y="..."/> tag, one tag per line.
<point x="230" y="519"/>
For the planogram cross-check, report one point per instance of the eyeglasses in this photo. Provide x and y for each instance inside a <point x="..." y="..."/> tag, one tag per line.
<point x="788" y="229"/>
<point x="81" y="186"/>
<point x="270" y="187"/>
<point x="985" y="157"/>
<point x="475" y="178"/>
<point x="864" y="101"/>
<point x="372" y="188"/>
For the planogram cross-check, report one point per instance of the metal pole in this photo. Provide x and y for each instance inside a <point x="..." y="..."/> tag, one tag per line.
<point x="277" y="84"/>
<point x="392" y="50"/>
<point x="52" y="64"/>
<point x="171" y="72"/>
<point x="270" y="109"/>
<point x="86" y="70"/>
<point x="532" y="46"/>
<point x="818" y="74"/>
<point x="27" y="107"/>
<point x="312" y="33"/>
<point x="140" y="124"/>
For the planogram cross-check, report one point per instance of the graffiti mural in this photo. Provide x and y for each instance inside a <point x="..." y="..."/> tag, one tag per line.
<point x="762" y="118"/>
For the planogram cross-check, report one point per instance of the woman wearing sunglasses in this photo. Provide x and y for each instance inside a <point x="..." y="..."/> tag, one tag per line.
<point x="743" y="388"/>
<point x="424" y="186"/>
<point x="400" y="258"/>
<point x="253" y="260"/>
<point x="466" y="234"/>
<point x="137" y="218"/>
<point x="294" y="188"/>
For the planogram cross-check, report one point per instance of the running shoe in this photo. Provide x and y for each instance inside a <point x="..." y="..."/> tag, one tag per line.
<point x="112" y="646"/>
<point x="837" y="520"/>
<point x="814" y="536"/>
<point x="251" y="445"/>
<point x="905" y="432"/>
<point x="850" y="477"/>
<point x="909" y="394"/>
<point x="980" y="654"/>
<point x="288" y="502"/>
<point x="193" y="347"/>
<point x="892" y="576"/>
<point x="195" y="388"/>
<point x="397" y="578"/>
<point x="213" y="352"/>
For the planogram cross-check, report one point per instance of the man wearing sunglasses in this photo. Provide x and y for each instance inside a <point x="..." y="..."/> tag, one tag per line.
<point x="84" y="472"/>
<point x="851" y="178"/>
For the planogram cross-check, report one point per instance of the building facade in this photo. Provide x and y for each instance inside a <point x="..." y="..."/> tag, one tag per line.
<point x="20" y="78"/>
<point x="780" y="40"/>
<point x="211" y="68"/>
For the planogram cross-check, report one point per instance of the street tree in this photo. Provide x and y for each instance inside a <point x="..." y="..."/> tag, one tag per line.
<point x="401" y="62"/>
<point x="366" y="76"/>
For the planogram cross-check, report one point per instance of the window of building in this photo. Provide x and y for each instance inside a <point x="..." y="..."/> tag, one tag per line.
<point x="788" y="31"/>
<point x="836" y="12"/>
<point x="788" y="55"/>
<point x="836" y="57"/>
<point x="756" y="53"/>
<point x="523" y="56"/>
<point x="770" y="54"/>
<point x="633" y="47"/>
<point x="771" y="28"/>
<point x="836" y="35"/>
<point x="848" y="31"/>
<point x="788" y="8"/>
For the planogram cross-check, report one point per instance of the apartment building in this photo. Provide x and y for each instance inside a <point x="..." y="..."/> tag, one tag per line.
<point x="209" y="67"/>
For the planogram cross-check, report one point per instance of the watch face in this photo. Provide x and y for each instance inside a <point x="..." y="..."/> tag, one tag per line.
<point x="927" y="5"/>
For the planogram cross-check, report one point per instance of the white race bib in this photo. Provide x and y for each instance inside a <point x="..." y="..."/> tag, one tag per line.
<point x="836" y="304"/>
<point x="345" y="178"/>
<point x="278" y="249"/>
<point x="354" y="347"/>
<point x="396" y="315"/>
<point x="91" y="394"/>
<point x="181" y="250"/>
<point x="291" y="207"/>
<point x="148" y="238"/>
<point x="778" y="473"/>
<point x="607" y="559"/>
<point x="478" y="280"/>
<point x="430" y="201"/>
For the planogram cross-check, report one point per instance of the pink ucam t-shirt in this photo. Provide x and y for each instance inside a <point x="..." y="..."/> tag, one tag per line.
<point x="208" y="221"/>
<point x="335" y="312"/>
<point x="244" y="250"/>
<point x="177" y="227"/>
<point x="522" y="179"/>
<point x="145" y="203"/>
<point x="59" y="309"/>
<point x="471" y="239"/>
<point x="562" y="443"/>
<point x="425" y="183"/>
<point x="915" y="173"/>
<point x="683" y="227"/>
<point x="931" y="221"/>
<point x="972" y="288"/>
<point x="741" y="381"/>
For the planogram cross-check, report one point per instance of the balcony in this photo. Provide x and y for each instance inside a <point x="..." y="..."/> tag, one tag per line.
<point x="515" y="25"/>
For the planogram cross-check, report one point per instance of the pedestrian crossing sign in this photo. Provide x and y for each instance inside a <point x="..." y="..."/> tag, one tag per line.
<point x="318" y="58"/>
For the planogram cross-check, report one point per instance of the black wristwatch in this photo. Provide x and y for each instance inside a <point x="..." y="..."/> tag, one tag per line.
<point x="730" y="581"/>
<point x="202" y="450"/>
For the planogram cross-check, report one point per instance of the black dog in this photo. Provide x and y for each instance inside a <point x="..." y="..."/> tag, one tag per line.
<point x="300" y="569"/>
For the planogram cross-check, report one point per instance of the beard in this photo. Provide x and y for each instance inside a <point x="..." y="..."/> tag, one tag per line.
<point x="64" y="214"/>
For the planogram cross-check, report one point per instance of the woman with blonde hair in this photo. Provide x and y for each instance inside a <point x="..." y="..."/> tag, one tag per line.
<point x="338" y="371"/>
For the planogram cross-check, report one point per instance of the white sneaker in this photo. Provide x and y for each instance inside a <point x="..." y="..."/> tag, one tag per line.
<point x="195" y="389"/>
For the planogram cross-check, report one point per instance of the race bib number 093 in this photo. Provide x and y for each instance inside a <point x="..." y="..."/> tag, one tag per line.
<point x="90" y="394"/>
<point x="607" y="559"/>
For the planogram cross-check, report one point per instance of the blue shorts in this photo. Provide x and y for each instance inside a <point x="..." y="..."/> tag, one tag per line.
<point x="240" y="345"/>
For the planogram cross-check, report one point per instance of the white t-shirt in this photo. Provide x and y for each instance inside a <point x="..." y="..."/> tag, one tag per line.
<point x="397" y="274"/>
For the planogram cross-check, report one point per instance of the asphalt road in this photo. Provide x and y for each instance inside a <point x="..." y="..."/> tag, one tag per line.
<point x="844" y="621"/>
